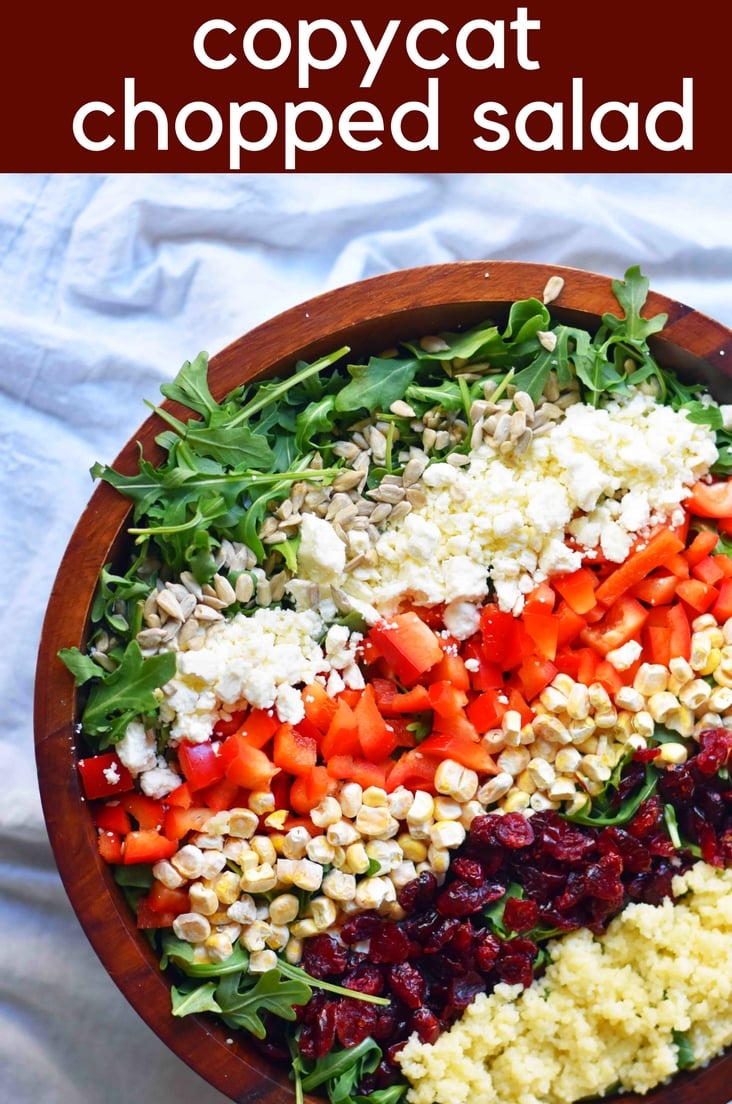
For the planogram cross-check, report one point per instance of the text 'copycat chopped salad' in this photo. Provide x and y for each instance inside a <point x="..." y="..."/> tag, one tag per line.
<point x="410" y="712"/>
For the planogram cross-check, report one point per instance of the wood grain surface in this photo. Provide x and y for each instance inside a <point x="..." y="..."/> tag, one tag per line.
<point x="367" y="317"/>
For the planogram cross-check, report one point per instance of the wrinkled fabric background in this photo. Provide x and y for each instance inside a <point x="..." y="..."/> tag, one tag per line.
<point x="107" y="284"/>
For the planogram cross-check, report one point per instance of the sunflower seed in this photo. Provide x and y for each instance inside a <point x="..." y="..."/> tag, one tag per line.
<point x="552" y="289"/>
<point x="401" y="409"/>
<point x="243" y="588"/>
<point x="433" y="344"/>
<point x="547" y="340"/>
<point x="224" y="590"/>
<point x="169" y="604"/>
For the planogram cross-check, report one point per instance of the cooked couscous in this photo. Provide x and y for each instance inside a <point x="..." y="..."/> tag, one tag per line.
<point x="609" y="1011"/>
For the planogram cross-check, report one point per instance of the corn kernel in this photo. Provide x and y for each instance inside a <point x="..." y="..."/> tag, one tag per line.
<point x="447" y="833"/>
<point x="371" y="893"/>
<point x="513" y="760"/>
<point x="188" y="861"/>
<point x="264" y="848"/>
<point x="303" y="929"/>
<point x="413" y="849"/>
<point x="720" y="699"/>
<point x="254" y="936"/>
<point x="226" y="887"/>
<point x="296" y="842"/>
<point x="563" y="683"/>
<point x="700" y="651"/>
<point x="260" y="962"/>
<point x="447" y="808"/>
<point x="167" y="875"/>
<point x="387" y="853"/>
<point x="374" y="797"/>
<point x="578" y="702"/>
<point x="541" y="773"/>
<point x="713" y="660"/>
<point x="399" y="802"/>
<point x="471" y="809"/>
<point x="650" y="678"/>
<point x="243" y="823"/>
<point x="660" y="704"/>
<point x="243" y="911"/>
<point x="495" y="788"/>
<point x="355" y="860"/>
<point x="342" y="833"/>
<point x="219" y="947"/>
<point x="454" y="780"/>
<point x="629" y="698"/>
<point x="192" y="927"/>
<point x="553" y="700"/>
<point x="261" y="802"/>
<point x="307" y="874"/>
<point x="328" y="811"/>
<point x="350" y="799"/>
<point x="284" y="908"/>
<point x="515" y="802"/>
<point x="673" y="753"/>
<point x="695" y="693"/>
<point x="203" y="899"/>
<point x="324" y="912"/>
<point x="438" y="859"/>
<point x="339" y="886"/>
<point x="511" y="727"/>
<point x="260" y="879"/>
<point x="376" y="820"/>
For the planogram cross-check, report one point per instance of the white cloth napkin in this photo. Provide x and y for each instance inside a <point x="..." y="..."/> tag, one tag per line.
<point x="107" y="284"/>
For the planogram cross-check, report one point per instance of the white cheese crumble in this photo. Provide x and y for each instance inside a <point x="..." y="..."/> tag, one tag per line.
<point x="257" y="661"/>
<point x="601" y="476"/>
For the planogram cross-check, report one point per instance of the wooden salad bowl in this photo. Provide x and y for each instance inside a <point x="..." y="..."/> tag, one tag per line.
<point x="367" y="316"/>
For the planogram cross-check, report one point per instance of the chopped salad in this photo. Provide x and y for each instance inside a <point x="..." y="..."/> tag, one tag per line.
<point x="416" y="664"/>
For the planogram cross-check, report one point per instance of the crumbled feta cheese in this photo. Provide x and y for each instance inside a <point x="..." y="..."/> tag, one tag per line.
<point x="137" y="750"/>
<point x="321" y="555"/>
<point x="160" y="780"/>
<point x="111" y="773"/>
<point x="256" y="660"/>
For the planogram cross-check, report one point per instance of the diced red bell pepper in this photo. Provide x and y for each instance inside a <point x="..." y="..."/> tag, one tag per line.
<point x="623" y="621"/>
<point x="712" y="500"/>
<point x="703" y="543"/>
<point x="452" y="669"/>
<point x="356" y="769"/>
<point x="146" y="845"/>
<point x="469" y="753"/>
<point x="393" y="702"/>
<point x="111" y="817"/>
<point x="376" y="737"/>
<point x="258" y="727"/>
<point x="414" y="770"/>
<point x="700" y="596"/>
<point x="224" y="728"/>
<point x="408" y="646"/>
<point x="502" y="637"/>
<point x="342" y="737"/>
<point x="485" y="711"/>
<point x="708" y="570"/>
<point x="144" y="810"/>
<point x="645" y="557"/>
<point x="96" y="783"/>
<point x="569" y="623"/>
<point x="224" y="794"/>
<point x="200" y="764"/>
<point x="309" y="789"/>
<point x="250" y="767"/>
<point x="484" y="675"/>
<point x="181" y="796"/>
<point x="179" y="822"/>
<point x="318" y="705"/>
<point x="679" y="631"/>
<point x="445" y="699"/>
<point x="109" y="845"/>
<point x="577" y="588"/>
<point x="656" y="589"/>
<point x="722" y="608"/>
<point x="160" y="898"/>
<point x="543" y="628"/>
<point x="293" y="751"/>
<point x="535" y="674"/>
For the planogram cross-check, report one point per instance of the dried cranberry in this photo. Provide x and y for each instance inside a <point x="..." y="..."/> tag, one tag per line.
<point x="426" y="1024"/>
<point x="463" y="899"/>
<point x="429" y="930"/>
<point x="408" y="984"/>
<point x="323" y="956"/>
<point x="636" y="856"/>
<point x="462" y="991"/>
<point x="513" y="831"/>
<point x="389" y="943"/>
<point x="516" y="969"/>
<point x="418" y="894"/>
<point x="360" y="927"/>
<point x="319" y="1032"/>
<point x="354" y="1021"/>
<point x="561" y="840"/>
<point x="520" y="914"/>
<point x="364" y="977"/>
<point x="677" y="784"/>
<point x="487" y="949"/>
<point x="716" y="745"/>
<point x="470" y="870"/>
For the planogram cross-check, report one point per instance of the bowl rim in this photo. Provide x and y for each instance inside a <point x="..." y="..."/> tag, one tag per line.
<point x="464" y="291"/>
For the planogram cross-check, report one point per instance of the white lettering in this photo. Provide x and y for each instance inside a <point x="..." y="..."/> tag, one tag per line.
<point x="430" y="112"/>
<point x="502" y="133"/>
<point x="200" y="48"/>
<point x="237" y="141"/>
<point x="181" y="128"/>
<point x="555" y="136"/>
<point x="249" y="44"/>
<point x="293" y="141"/>
<point x="132" y="112"/>
<point x="413" y="51"/>
<point x="684" y="110"/>
<point x="375" y="57"/>
<point x="629" y="112"/>
<point x="78" y="126"/>
<point x="522" y="25"/>
<point x="307" y="59"/>
<point x="495" y="59"/>
<point x="348" y="124"/>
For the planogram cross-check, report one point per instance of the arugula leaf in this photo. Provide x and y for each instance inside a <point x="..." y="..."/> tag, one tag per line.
<point x="341" y="1070"/>
<point x="241" y="1000"/>
<point x="631" y="293"/>
<point x="603" y="810"/>
<point x="120" y="696"/>
<point x="375" y="385"/>
<point x="178" y="953"/>
<point x="187" y="1000"/>
<point x="686" y="1058"/>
